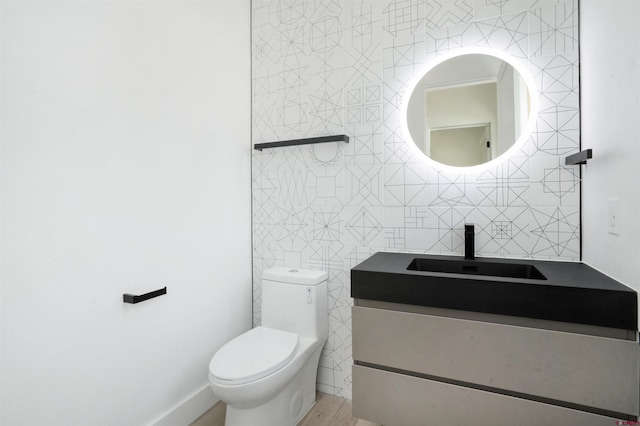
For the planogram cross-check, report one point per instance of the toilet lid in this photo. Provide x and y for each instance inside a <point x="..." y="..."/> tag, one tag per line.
<point x="253" y="355"/>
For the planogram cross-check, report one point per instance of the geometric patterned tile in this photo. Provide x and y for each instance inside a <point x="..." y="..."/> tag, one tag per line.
<point x="405" y="185"/>
<point x="555" y="232"/>
<point x="553" y="183"/>
<point x="344" y="67"/>
<point x="364" y="185"/>
<point x="446" y="189"/>
<point x="446" y="229"/>
<point x="557" y="79"/>
<point x="363" y="226"/>
<point x="502" y="231"/>
<point x="505" y="185"/>
<point x="443" y="40"/>
<point x="404" y="16"/>
<point x="366" y="146"/>
<point x="488" y="9"/>
<point x="508" y="33"/>
<point x="448" y="14"/>
<point x="554" y="29"/>
<point x="557" y="131"/>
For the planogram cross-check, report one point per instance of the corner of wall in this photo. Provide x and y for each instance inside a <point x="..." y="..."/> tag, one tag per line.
<point x="188" y="410"/>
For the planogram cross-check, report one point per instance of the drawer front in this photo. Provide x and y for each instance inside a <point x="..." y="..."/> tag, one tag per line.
<point x="394" y="399"/>
<point x="579" y="369"/>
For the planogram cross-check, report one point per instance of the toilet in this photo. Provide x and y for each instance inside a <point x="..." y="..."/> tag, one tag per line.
<point x="267" y="376"/>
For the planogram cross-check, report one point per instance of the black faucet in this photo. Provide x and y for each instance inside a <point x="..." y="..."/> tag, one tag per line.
<point x="469" y="241"/>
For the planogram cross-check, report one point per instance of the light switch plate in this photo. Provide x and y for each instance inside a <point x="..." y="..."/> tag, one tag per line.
<point x="614" y="216"/>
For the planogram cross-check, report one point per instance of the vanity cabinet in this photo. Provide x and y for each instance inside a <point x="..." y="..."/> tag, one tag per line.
<point x="441" y="340"/>
<point x="417" y="365"/>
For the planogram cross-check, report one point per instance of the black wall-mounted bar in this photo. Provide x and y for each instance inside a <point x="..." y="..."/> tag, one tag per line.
<point x="305" y="141"/>
<point x="579" y="158"/>
<point x="130" y="298"/>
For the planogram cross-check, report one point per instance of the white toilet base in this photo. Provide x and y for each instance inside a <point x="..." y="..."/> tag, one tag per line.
<point x="288" y="407"/>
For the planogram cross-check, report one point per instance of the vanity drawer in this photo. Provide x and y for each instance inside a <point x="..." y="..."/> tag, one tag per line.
<point x="588" y="371"/>
<point x="391" y="399"/>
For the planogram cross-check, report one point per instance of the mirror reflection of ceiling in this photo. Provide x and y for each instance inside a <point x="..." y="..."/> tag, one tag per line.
<point x="464" y="68"/>
<point x="464" y="92"/>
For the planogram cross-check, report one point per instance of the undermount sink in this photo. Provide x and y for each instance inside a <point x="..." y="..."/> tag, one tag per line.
<point x="492" y="269"/>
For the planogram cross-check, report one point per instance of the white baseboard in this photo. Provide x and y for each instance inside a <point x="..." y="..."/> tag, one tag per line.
<point x="189" y="409"/>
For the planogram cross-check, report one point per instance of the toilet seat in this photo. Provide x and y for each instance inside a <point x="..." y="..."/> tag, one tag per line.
<point x="253" y="355"/>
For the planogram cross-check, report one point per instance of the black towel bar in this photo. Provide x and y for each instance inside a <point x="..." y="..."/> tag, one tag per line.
<point x="130" y="298"/>
<point x="305" y="141"/>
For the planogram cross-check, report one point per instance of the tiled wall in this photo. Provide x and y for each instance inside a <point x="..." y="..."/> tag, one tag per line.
<point x="341" y="67"/>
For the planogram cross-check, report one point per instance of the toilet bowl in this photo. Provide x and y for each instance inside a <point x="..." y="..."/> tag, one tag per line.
<point x="267" y="376"/>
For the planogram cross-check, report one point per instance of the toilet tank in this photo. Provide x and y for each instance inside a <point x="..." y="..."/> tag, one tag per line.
<point x="295" y="300"/>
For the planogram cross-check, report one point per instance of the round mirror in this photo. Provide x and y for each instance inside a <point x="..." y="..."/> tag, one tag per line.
<point x="470" y="108"/>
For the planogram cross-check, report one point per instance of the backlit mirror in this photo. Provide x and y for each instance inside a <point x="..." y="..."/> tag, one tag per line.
<point x="470" y="108"/>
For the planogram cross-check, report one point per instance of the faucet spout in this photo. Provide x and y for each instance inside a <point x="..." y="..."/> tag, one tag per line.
<point x="469" y="241"/>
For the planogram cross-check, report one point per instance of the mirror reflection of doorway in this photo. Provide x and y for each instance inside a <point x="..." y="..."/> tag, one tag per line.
<point x="461" y="146"/>
<point x="468" y="90"/>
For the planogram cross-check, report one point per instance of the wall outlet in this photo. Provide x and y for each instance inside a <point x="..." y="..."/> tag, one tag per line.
<point x="614" y="216"/>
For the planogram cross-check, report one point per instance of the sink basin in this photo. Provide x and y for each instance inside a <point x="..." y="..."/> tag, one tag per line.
<point x="474" y="267"/>
<point x="570" y="292"/>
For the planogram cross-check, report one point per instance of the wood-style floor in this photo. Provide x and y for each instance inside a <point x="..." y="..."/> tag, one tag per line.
<point x="328" y="411"/>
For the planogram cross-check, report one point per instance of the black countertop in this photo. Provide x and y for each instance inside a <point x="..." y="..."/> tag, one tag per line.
<point x="572" y="292"/>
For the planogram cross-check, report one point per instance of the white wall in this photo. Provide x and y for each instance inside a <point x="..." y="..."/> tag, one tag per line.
<point x="125" y="168"/>
<point x="610" y="108"/>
